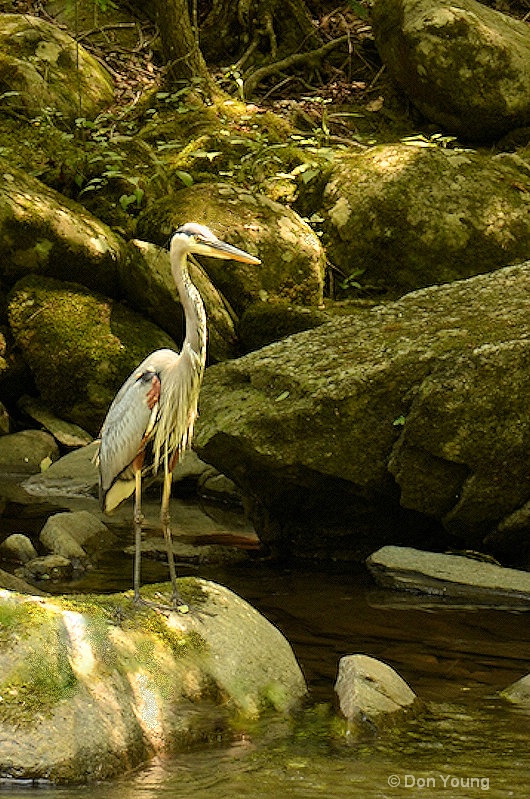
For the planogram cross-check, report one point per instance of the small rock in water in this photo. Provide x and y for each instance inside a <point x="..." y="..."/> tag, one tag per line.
<point x="49" y="567"/>
<point x="518" y="692"/>
<point x="368" y="690"/>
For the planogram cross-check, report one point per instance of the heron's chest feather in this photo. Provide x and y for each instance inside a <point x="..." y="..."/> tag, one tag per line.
<point x="179" y="396"/>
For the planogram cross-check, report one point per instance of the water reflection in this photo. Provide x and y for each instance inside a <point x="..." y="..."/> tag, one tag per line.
<point x="469" y="743"/>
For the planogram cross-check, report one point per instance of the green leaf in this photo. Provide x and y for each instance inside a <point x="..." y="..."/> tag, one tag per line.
<point x="185" y="177"/>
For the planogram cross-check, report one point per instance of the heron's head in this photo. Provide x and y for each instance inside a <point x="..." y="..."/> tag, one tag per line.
<point x="198" y="239"/>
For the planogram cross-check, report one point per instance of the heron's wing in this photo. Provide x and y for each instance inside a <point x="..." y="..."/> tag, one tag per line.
<point x="126" y="426"/>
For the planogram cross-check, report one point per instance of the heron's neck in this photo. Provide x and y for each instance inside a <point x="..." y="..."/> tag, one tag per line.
<point x="193" y="306"/>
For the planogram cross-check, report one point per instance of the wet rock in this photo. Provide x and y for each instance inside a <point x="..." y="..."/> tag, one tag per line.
<point x="27" y="452"/>
<point x="75" y="535"/>
<point x="464" y="65"/>
<point x="48" y="567"/>
<point x="370" y="693"/>
<point x="395" y="420"/>
<point x="408" y="569"/>
<point x="126" y="683"/>
<point x="518" y="692"/>
<point x="17" y="547"/>
<point x="408" y="216"/>
<point x="47" y="70"/>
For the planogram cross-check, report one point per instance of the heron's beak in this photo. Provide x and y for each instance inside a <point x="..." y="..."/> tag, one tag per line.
<point x="219" y="249"/>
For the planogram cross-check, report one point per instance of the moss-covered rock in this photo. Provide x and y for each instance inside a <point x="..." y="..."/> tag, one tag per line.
<point x="292" y="267"/>
<point x="80" y="346"/>
<point x="45" y="69"/>
<point x="464" y="65"/>
<point x="27" y="452"/>
<point x="265" y="322"/>
<point x="395" y="422"/>
<point x="404" y="216"/>
<point x="41" y="231"/>
<point x="93" y="686"/>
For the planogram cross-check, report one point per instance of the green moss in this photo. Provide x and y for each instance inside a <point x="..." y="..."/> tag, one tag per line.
<point x="40" y="680"/>
<point x="79" y="345"/>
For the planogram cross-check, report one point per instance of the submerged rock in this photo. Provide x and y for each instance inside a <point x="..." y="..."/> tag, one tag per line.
<point x="410" y="569"/>
<point x="98" y="685"/>
<point x="75" y="535"/>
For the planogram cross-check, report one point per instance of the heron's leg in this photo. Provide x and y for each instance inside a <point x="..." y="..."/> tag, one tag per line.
<point x="138" y="518"/>
<point x="166" y="494"/>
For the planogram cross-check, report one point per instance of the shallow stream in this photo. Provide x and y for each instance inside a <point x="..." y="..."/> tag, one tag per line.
<point x="468" y="743"/>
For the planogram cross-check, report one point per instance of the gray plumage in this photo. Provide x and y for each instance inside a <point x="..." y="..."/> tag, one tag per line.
<point x="150" y="421"/>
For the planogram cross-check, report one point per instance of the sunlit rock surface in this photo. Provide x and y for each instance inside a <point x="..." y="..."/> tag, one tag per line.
<point x="437" y="574"/>
<point x="464" y="65"/>
<point x="93" y="686"/>
<point x="369" y="692"/>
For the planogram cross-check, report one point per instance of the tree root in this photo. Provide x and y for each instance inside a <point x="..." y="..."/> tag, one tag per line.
<point x="312" y="57"/>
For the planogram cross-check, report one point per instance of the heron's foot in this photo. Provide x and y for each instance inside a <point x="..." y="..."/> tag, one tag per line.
<point x="177" y="605"/>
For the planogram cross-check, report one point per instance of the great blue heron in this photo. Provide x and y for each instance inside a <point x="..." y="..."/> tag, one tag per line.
<point x="150" y="422"/>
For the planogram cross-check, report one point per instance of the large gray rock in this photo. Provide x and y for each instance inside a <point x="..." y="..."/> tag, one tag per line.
<point x="461" y="63"/>
<point x="334" y="432"/>
<point x="98" y="685"/>
<point x="409" y="216"/>
<point x="437" y="574"/>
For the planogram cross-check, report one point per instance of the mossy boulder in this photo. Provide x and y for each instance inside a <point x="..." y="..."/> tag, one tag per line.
<point x="79" y="345"/>
<point x="464" y="65"/>
<point x="395" y="422"/>
<point x="399" y="217"/>
<point x="93" y="686"/>
<point x="42" y="231"/>
<point x="44" y="70"/>
<point x="292" y="267"/>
